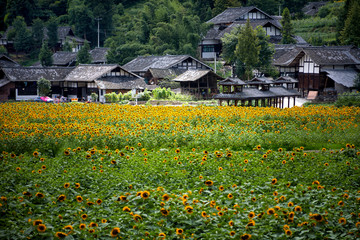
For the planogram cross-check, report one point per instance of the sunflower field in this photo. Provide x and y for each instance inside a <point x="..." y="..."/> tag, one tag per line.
<point x="108" y="171"/>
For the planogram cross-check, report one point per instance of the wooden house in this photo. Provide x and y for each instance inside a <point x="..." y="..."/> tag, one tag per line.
<point x="141" y="65"/>
<point x="154" y="76"/>
<point x="99" y="78"/>
<point x="211" y="44"/>
<point x="201" y="83"/>
<point x="65" y="34"/>
<point x="256" y="92"/>
<point x="98" y="55"/>
<point x="67" y="59"/>
<point x="322" y="68"/>
<point x="312" y="8"/>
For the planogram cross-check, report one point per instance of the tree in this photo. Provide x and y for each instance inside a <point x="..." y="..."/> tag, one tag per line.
<point x="52" y="33"/>
<point x="344" y="12"/>
<point x="83" y="56"/>
<point x="266" y="53"/>
<point x="357" y="82"/>
<point x="43" y="86"/>
<point x="67" y="47"/>
<point x="351" y="32"/>
<point x="45" y="55"/>
<point x="287" y="28"/>
<point x="247" y="51"/>
<point x="81" y="17"/>
<point x="22" y="38"/>
<point x="37" y="33"/>
<point x="222" y="5"/>
<point x="269" y="6"/>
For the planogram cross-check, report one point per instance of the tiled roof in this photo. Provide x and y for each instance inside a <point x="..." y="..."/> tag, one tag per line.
<point x="35" y="73"/>
<point x="64" y="58"/>
<point x="119" y="82"/>
<point x="5" y="61"/>
<point x="98" y="55"/>
<point x="343" y="77"/>
<point x="169" y="73"/>
<point x="254" y="93"/>
<point x="230" y="15"/>
<point x="142" y="64"/>
<point x="193" y="75"/>
<point x="339" y="55"/>
<point x="232" y="81"/>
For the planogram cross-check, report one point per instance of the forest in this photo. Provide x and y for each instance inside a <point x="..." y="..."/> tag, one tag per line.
<point x="133" y="28"/>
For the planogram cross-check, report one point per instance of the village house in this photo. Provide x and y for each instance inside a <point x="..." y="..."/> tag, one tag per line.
<point x="225" y="22"/>
<point x="259" y="91"/>
<point x="141" y="65"/>
<point x="65" y="34"/>
<point x="67" y="59"/>
<point x="325" y="70"/>
<point x="312" y="8"/>
<point x="20" y="83"/>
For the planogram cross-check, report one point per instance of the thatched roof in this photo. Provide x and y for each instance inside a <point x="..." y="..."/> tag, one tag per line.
<point x="61" y="58"/>
<point x="98" y="55"/>
<point x="142" y="64"/>
<point x="343" y="77"/>
<point x="231" y="15"/>
<point x="169" y="73"/>
<point x="232" y="82"/>
<point x="35" y="73"/>
<point x="312" y="8"/>
<point x="118" y="82"/>
<point x="5" y="61"/>
<point x="89" y="72"/>
<point x="194" y="75"/>
<point x="254" y="93"/>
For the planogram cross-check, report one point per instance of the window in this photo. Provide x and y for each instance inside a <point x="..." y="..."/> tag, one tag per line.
<point x="208" y="48"/>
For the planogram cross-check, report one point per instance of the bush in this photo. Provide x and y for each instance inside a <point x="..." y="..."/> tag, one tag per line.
<point x="169" y="84"/>
<point x="162" y="93"/>
<point x="144" y="96"/>
<point x="114" y="97"/>
<point x="348" y="99"/>
<point x="94" y="97"/>
<point x="107" y="97"/>
<point x="43" y="86"/>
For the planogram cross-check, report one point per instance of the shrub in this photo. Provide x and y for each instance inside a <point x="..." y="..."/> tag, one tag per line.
<point x="94" y="97"/>
<point x="162" y="93"/>
<point x="144" y="96"/>
<point x="43" y="86"/>
<point x="348" y="99"/>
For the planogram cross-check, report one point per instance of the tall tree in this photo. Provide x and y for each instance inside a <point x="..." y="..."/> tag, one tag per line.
<point x="37" y="33"/>
<point x="287" y="28"/>
<point x="84" y="56"/>
<point x="24" y="8"/>
<point x="22" y="38"/>
<point x="222" y="5"/>
<point x="344" y="12"/>
<point x="247" y="51"/>
<point x="81" y="17"/>
<point x="45" y="55"/>
<point x="351" y="32"/>
<point x="266" y="53"/>
<point x="52" y="33"/>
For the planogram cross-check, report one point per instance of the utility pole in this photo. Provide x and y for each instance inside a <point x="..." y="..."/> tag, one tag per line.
<point x="98" y="19"/>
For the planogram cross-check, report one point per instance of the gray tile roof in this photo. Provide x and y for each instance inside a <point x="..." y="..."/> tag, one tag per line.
<point x="5" y="61"/>
<point x="260" y="80"/>
<point x="114" y="83"/>
<point x="142" y="64"/>
<point x="169" y="73"/>
<point x="343" y="77"/>
<point x="285" y="79"/>
<point x="312" y="8"/>
<point x="194" y="75"/>
<point x="61" y="58"/>
<point x="3" y="82"/>
<point x="230" y="15"/>
<point x="89" y="72"/>
<point x="338" y="55"/>
<point x="98" y="55"/>
<point x="35" y="73"/>
<point x="232" y="81"/>
<point x="254" y="93"/>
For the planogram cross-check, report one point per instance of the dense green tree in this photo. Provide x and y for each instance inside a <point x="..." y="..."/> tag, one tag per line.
<point x="266" y="53"/>
<point x="24" y="8"/>
<point x="21" y="35"/>
<point x="351" y="32"/>
<point x="287" y="28"/>
<point x="222" y="5"/>
<point x="43" y="86"/>
<point x="67" y="47"/>
<point x="81" y="17"/>
<point x="52" y="32"/>
<point x="83" y="56"/>
<point x="357" y="82"/>
<point x="37" y="33"/>
<point x="295" y="6"/>
<point x="229" y="42"/>
<point x="247" y="51"/>
<point x="343" y="14"/>
<point x="2" y="15"/>
<point x="45" y="55"/>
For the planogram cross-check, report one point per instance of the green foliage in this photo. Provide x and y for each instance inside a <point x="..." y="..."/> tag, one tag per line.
<point x="144" y="96"/>
<point x="351" y="32"/>
<point x="169" y="84"/>
<point x="43" y="86"/>
<point x="52" y="27"/>
<point x="45" y="55"/>
<point x="247" y="51"/>
<point x="222" y="5"/>
<point x="94" y="97"/>
<point x="81" y="17"/>
<point x="3" y="50"/>
<point x="37" y="32"/>
<point x="83" y="56"/>
<point x="357" y="82"/>
<point x="287" y="28"/>
<point x="269" y="6"/>
<point x="22" y="36"/>
<point x="348" y="99"/>
<point x="67" y="47"/>
<point x="162" y="93"/>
